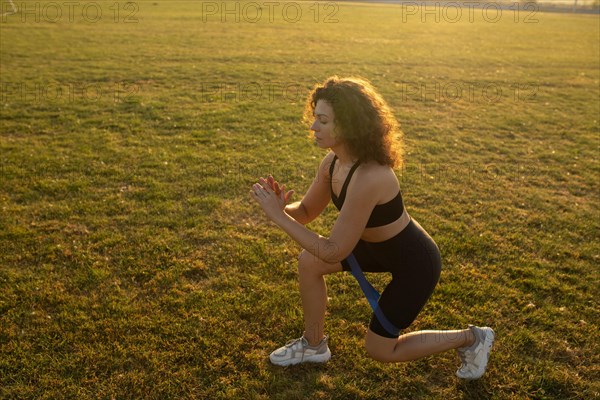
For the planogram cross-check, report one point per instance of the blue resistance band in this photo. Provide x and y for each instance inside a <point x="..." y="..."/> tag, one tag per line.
<point x="371" y="294"/>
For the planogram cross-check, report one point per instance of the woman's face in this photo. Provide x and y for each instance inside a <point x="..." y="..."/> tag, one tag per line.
<point x="324" y="125"/>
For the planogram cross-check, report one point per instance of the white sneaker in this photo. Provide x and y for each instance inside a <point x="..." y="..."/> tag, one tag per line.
<point x="475" y="357"/>
<point x="297" y="351"/>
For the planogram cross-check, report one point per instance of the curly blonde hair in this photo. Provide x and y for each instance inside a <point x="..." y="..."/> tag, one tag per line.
<point x="363" y="119"/>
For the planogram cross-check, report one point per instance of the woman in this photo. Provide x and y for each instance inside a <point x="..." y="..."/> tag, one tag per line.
<point x="354" y="122"/>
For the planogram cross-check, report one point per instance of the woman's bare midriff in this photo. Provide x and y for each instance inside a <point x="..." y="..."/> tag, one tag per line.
<point x="385" y="232"/>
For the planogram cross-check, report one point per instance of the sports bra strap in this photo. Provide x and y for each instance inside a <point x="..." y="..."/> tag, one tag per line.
<point x="342" y="196"/>
<point x="339" y="200"/>
<point x="331" y="167"/>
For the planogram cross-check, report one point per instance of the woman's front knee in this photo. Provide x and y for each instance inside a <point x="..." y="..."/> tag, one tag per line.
<point x="307" y="263"/>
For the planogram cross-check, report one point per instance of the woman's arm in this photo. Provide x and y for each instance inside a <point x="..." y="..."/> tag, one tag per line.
<point x="317" y="197"/>
<point x="298" y="212"/>
<point x="361" y="198"/>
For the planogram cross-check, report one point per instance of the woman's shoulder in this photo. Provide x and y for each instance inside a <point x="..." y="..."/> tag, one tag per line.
<point x="380" y="177"/>
<point x="328" y="159"/>
<point x="374" y="169"/>
<point x="326" y="163"/>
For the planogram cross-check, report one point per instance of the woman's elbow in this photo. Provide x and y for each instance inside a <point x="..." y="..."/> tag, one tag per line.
<point x="334" y="254"/>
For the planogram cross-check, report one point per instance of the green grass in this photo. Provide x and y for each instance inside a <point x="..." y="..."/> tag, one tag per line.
<point x="134" y="265"/>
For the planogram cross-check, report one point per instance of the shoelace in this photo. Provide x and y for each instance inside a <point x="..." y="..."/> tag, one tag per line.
<point x="463" y="354"/>
<point x="292" y="342"/>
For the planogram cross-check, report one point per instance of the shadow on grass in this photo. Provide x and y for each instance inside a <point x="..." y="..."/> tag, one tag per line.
<point x="473" y="390"/>
<point x="300" y="381"/>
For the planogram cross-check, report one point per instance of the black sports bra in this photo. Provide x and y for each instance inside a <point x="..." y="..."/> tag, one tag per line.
<point x="382" y="214"/>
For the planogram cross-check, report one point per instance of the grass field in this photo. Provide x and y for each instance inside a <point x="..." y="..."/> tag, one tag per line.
<point x="133" y="263"/>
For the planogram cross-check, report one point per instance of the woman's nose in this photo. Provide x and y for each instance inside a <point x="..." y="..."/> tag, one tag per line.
<point x="313" y="127"/>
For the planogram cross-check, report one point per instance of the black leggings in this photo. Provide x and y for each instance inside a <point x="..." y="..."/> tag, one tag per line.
<point x="414" y="260"/>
